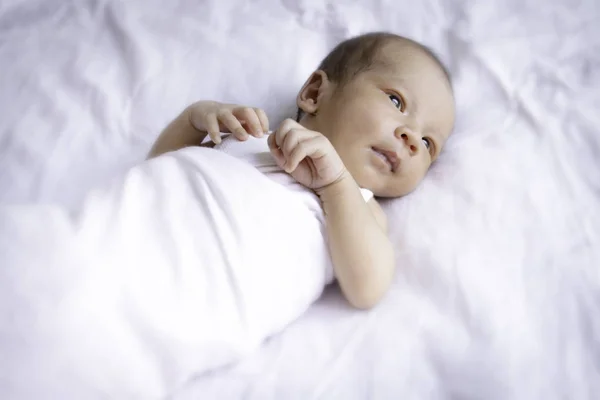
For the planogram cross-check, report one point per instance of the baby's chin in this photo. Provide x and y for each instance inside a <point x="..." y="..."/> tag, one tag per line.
<point x="368" y="176"/>
<point x="390" y="193"/>
<point x="381" y="186"/>
<point x="389" y="188"/>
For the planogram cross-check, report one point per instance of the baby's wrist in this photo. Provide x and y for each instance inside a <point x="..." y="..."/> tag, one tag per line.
<point x="339" y="187"/>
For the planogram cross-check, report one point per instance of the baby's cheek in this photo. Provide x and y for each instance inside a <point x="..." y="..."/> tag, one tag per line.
<point x="357" y="123"/>
<point x="417" y="174"/>
<point x="369" y="127"/>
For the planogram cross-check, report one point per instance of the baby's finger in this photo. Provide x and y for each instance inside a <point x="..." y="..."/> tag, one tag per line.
<point x="262" y="117"/>
<point x="283" y="130"/>
<point x="232" y="123"/>
<point x="276" y="151"/>
<point x="212" y="127"/>
<point x="292" y="138"/>
<point x="312" y="148"/>
<point x="249" y="118"/>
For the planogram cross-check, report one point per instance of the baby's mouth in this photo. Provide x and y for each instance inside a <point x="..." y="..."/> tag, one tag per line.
<point x="389" y="157"/>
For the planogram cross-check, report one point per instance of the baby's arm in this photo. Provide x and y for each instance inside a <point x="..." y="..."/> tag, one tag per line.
<point x="362" y="254"/>
<point x="178" y="134"/>
<point x="210" y="118"/>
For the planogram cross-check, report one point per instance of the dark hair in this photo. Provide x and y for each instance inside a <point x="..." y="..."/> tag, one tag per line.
<point x="359" y="54"/>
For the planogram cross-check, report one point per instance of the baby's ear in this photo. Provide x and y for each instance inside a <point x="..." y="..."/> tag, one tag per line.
<point x="312" y="92"/>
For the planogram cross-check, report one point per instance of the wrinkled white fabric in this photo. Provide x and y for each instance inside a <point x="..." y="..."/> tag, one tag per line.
<point x="497" y="291"/>
<point x="183" y="265"/>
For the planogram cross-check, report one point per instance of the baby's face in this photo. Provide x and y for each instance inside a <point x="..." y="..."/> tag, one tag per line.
<point x="390" y="123"/>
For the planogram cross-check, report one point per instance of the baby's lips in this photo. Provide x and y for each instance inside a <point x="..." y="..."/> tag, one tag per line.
<point x="391" y="156"/>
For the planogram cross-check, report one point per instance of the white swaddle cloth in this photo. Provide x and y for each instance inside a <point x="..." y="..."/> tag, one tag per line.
<point x="184" y="264"/>
<point x="256" y="152"/>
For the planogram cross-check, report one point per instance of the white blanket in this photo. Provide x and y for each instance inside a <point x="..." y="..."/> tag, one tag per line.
<point x="184" y="264"/>
<point x="498" y="287"/>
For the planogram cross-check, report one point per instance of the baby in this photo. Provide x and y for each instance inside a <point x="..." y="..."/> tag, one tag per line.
<point x="139" y="289"/>
<point x="371" y="119"/>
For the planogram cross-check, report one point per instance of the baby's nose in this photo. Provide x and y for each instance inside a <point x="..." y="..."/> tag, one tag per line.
<point x="409" y="138"/>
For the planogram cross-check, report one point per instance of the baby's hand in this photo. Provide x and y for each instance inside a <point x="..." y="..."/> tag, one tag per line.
<point x="213" y="117"/>
<point x="308" y="156"/>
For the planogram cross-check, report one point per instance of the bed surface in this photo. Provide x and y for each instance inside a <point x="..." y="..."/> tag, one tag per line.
<point x="498" y="290"/>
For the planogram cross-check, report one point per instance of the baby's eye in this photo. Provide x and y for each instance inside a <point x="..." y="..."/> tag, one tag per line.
<point x="397" y="101"/>
<point x="427" y="142"/>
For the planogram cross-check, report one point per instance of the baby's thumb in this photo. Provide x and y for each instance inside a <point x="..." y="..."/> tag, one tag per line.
<point x="276" y="151"/>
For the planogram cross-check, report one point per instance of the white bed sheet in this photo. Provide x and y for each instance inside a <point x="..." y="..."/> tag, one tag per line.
<point x="498" y="288"/>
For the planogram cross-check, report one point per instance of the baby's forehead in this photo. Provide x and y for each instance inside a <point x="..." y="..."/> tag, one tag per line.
<point x="405" y="60"/>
